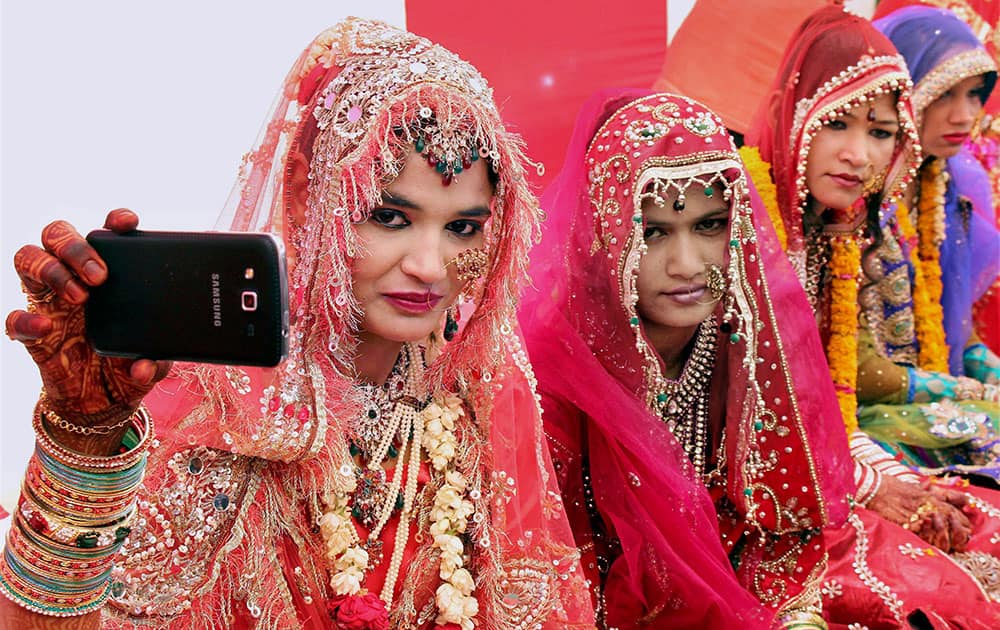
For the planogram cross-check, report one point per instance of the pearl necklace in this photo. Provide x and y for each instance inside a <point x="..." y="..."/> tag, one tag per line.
<point x="419" y="426"/>
<point x="683" y="404"/>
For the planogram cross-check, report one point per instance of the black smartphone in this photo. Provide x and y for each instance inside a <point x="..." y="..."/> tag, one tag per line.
<point x="207" y="297"/>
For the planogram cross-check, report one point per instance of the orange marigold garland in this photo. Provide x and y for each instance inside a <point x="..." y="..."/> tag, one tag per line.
<point x="928" y="314"/>
<point x="760" y="174"/>
<point x="842" y="348"/>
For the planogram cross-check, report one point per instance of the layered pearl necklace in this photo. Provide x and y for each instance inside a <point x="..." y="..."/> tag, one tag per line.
<point x="397" y="413"/>
<point x="683" y="404"/>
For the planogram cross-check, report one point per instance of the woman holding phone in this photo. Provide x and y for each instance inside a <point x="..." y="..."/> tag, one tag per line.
<point x="370" y="480"/>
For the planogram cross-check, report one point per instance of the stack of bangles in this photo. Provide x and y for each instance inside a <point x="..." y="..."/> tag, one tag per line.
<point x="72" y="518"/>
<point x="868" y="482"/>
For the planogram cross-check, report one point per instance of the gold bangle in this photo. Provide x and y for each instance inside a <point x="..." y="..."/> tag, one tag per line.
<point x="58" y="421"/>
<point x="96" y="463"/>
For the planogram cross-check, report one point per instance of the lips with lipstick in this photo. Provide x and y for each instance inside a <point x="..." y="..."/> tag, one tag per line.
<point x="413" y="301"/>
<point x="955" y="138"/>
<point x="846" y="180"/>
<point x="692" y="294"/>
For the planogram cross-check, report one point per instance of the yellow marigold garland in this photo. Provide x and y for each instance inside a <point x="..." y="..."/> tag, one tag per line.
<point x="760" y="173"/>
<point x="928" y="314"/>
<point x="842" y="348"/>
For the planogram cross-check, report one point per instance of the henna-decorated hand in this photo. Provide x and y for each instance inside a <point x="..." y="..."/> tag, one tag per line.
<point x="83" y="387"/>
<point x="934" y="516"/>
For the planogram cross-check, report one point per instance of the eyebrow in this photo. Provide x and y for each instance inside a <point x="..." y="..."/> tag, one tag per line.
<point x="884" y="121"/>
<point x="394" y="199"/>
<point x="711" y="214"/>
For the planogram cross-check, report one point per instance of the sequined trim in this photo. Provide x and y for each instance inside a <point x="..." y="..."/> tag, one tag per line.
<point x="944" y="76"/>
<point x="985" y="568"/>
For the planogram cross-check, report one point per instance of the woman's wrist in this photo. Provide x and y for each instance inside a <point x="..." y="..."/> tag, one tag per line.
<point x="73" y="516"/>
<point x="934" y="386"/>
<point x="98" y="434"/>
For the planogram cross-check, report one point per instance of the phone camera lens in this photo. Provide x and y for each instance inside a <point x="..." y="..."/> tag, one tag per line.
<point x="249" y="300"/>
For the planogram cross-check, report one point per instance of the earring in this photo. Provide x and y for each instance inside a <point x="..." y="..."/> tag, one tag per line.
<point x="716" y="282"/>
<point x="450" y="324"/>
<point x="470" y="264"/>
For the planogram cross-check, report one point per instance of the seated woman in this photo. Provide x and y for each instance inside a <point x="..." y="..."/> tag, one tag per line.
<point x="668" y="359"/>
<point x="935" y="391"/>
<point x="848" y="117"/>
<point x="381" y="476"/>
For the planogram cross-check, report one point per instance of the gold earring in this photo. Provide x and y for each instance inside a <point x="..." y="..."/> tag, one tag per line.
<point x="470" y="264"/>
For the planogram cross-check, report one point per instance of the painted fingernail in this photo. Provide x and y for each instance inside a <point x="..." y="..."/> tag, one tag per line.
<point x="75" y="293"/>
<point x="93" y="271"/>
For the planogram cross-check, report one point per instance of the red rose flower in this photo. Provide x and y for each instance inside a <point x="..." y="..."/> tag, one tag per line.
<point x="359" y="612"/>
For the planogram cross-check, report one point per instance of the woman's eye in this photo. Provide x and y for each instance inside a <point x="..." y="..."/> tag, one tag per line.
<point x="712" y="226"/>
<point x="652" y="232"/>
<point x="390" y="218"/>
<point x="839" y="125"/>
<point x="465" y="228"/>
<point x="881" y="134"/>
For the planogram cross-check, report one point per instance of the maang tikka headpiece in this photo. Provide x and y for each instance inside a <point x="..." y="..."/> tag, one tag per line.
<point x="449" y="151"/>
<point x="443" y="132"/>
<point x="659" y="189"/>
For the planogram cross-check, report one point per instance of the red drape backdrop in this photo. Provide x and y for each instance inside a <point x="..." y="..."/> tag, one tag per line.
<point x="544" y="59"/>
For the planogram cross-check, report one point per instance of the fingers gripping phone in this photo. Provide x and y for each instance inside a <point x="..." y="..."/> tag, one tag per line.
<point x="208" y="297"/>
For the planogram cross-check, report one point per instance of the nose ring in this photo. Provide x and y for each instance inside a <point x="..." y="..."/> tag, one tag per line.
<point x="470" y="264"/>
<point x="715" y="280"/>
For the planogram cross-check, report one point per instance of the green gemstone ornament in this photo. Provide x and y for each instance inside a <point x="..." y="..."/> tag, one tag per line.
<point x="87" y="541"/>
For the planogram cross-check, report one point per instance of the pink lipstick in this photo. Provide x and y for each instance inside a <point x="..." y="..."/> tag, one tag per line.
<point x="413" y="302"/>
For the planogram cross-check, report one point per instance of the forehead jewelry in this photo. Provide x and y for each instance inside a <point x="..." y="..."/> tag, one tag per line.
<point x="448" y="147"/>
<point x="658" y="189"/>
<point x="871" y="114"/>
<point x="470" y="264"/>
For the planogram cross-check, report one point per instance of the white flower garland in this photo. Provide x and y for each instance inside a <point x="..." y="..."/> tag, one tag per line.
<point x="450" y="515"/>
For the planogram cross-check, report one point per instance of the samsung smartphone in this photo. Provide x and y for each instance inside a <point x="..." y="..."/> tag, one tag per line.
<point x="208" y="297"/>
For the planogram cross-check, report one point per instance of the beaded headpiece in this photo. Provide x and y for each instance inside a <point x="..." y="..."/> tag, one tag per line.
<point x="616" y="159"/>
<point x="855" y="87"/>
<point x="940" y="51"/>
<point x="448" y="137"/>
